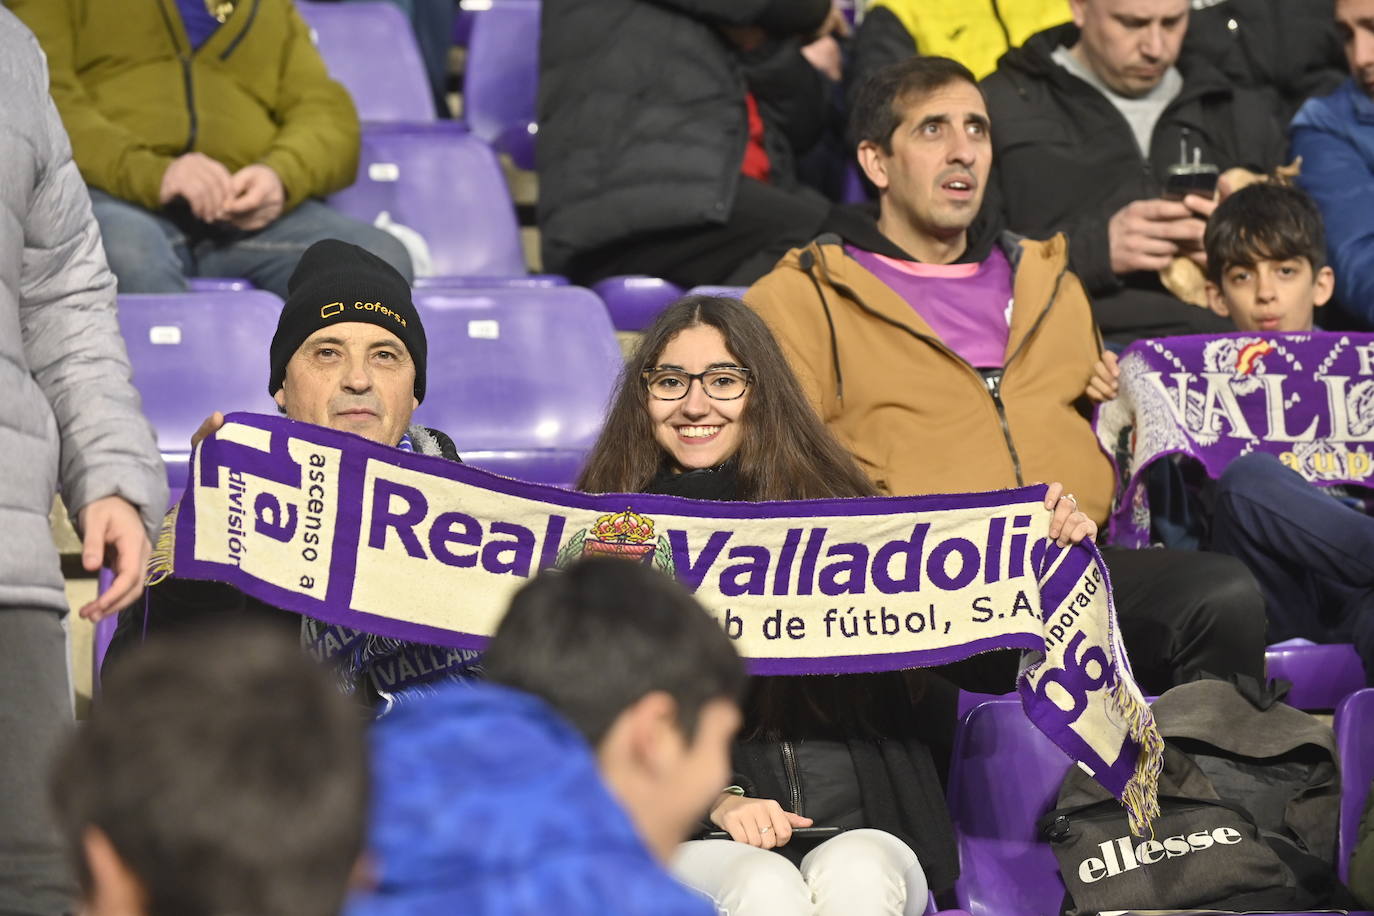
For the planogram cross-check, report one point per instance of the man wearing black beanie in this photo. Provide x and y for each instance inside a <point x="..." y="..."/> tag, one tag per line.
<point x="349" y="354"/>
<point x="350" y="351"/>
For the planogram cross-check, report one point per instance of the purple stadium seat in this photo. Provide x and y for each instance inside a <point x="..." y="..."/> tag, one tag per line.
<point x="501" y="79"/>
<point x="1354" y="724"/>
<point x="635" y="301"/>
<point x="519" y="377"/>
<point x="479" y="282"/>
<point x="371" y="49"/>
<point x="1321" y="674"/>
<point x="193" y="354"/>
<point x="218" y="284"/>
<point x="445" y="184"/>
<point x="727" y="292"/>
<point x="968" y="700"/>
<point x="1006" y="869"/>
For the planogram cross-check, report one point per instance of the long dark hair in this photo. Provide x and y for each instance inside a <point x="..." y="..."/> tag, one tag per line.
<point x="785" y="451"/>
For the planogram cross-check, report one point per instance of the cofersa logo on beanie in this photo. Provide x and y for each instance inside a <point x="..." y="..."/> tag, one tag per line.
<point x="336" y="282"/>
<point x="334" y="309"/>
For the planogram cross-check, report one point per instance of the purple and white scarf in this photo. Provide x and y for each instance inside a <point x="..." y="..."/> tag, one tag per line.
<point x="425" y="550"/>
<point x="1306" y="398"/>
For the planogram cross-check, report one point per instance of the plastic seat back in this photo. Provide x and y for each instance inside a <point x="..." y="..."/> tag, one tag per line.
<point x="501" y="79"/>
<point x="370" y="48"/>
<point x="1004" y="775"/>
<point x="445" y="184"/>
<point x="634" y="301"/>
<point x="194" y="354"/>
<point x="1354" y="724"/>
<point x="1322" y="674"/>
<point x="722" y="292"/>
<point x="519" y="377"/>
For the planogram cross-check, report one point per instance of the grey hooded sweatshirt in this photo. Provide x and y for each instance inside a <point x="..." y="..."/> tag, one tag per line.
<point x="70" y="419"/>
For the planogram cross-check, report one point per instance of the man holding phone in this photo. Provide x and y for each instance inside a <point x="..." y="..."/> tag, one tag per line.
<point x="1108" y="132"/>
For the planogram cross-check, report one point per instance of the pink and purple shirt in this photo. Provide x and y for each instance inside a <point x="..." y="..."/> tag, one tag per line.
<point x="967" y="305"/>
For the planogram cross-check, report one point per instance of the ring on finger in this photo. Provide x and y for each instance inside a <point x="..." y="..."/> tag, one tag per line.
<point x="763" y="830"/>
<point x="1071" y="498"/>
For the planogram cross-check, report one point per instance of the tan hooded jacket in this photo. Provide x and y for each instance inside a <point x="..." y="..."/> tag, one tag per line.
<point x="919" y="418"/>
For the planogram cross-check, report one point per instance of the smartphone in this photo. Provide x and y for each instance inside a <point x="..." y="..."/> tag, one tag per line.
<point x="1193" y="178"/>
<point x="798" y="833"/>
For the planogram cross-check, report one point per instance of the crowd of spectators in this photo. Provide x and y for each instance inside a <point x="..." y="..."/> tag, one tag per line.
<point x="1044" y="183"/>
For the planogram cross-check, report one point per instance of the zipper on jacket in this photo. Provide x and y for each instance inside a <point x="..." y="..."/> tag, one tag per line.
<point x="992" y="386"/>
<point x="252" y="14"/>
<point x="185" y="59"/>
<point x="994" y="383"/>
<point x="789" y="769"/>
<point x="190" y="103"/>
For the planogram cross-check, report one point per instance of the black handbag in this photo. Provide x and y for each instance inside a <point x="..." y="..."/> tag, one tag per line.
<point x="1205" y="852"/>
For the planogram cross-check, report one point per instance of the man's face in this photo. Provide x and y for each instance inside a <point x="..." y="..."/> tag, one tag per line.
<point x="352" y="376"/>
<point x="1355" y="22"/>
<point x="1130" y="44"/>
<point x="1271" y="295"/>
<point x="935" y="177"/>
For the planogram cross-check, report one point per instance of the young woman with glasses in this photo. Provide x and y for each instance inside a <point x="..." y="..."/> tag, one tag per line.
<point x="708" y="408"/>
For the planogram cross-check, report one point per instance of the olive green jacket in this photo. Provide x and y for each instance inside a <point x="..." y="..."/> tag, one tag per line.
<point x="134" y="96"/>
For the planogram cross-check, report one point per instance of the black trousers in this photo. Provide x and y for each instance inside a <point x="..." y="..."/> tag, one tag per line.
<point x="764" y="224"/>
<point x="1184" y="612"/>
<point x="1313" y="556"/>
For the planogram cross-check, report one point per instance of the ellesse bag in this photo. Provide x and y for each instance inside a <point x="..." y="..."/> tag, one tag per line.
<point x="1205" y="852"/>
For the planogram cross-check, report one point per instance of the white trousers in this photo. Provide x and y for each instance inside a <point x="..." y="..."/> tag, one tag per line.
<point x="857" y="873"/>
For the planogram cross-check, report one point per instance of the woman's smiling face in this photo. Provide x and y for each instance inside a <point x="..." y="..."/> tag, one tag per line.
<point x="698" y="431"/>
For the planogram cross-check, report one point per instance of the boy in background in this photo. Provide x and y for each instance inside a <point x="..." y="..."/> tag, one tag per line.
<point x="565" y="784"/>
<point x="1266" y="259"/>
<point x="1310" y="548"/>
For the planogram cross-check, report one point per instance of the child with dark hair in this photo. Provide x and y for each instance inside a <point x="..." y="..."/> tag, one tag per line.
<point x="220" y="773"/>
<point x="1310" y="548"/>
<point x="1266" y="259"/>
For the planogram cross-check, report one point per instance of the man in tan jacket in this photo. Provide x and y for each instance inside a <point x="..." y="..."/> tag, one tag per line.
<point x="951" y="357"/>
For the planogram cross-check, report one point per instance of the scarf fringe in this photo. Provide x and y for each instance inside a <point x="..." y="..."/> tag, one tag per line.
<point x="1141" y="795"/>
<point x="160" y="560"/>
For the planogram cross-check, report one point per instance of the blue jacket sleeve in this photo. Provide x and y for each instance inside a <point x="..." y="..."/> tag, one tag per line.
<point x="1340" y="180"/>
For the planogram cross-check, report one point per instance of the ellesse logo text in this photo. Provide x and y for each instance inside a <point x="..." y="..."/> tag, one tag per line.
<point x="1119" y="856"/>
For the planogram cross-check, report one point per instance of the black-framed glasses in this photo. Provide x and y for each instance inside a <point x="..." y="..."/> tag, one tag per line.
<point x="722" y="383"/>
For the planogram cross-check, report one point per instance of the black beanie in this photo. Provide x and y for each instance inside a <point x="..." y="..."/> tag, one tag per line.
<point x="337" y="282"/>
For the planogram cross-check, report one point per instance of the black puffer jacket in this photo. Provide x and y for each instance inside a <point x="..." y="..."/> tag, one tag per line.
<point x="642" y="118"/>
<point x="1065" y="160"/>
<point x="1288" y="48"/>
<point x="891" y="731"/>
